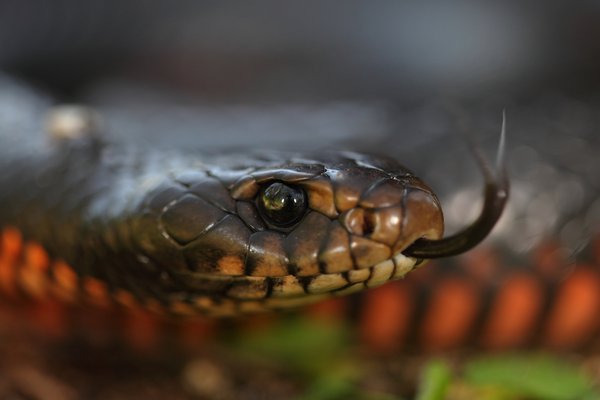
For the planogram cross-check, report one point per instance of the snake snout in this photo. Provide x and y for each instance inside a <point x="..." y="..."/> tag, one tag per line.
<point x="385" y="222"/>
<point x="422" y="219"/>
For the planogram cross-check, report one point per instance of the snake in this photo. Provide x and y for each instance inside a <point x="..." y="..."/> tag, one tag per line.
<point x="223" y="234"/>
<point x="68" y="205"/>
<point x="534" y="281"/>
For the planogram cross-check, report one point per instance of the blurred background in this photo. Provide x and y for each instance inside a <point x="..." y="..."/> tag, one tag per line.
<point x="406" y="79"/>
<point x="269" y="49"/>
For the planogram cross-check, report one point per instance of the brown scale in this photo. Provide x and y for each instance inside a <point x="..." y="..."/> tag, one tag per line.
<point x="514" y="312"/>
<point x="573" y="318"/>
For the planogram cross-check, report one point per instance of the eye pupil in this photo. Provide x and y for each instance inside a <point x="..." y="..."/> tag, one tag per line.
<point x="282" y="205"/>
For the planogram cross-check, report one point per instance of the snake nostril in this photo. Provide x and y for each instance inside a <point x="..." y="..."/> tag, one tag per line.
<point x="369" y="223"/>
<point x="361" y="222"/>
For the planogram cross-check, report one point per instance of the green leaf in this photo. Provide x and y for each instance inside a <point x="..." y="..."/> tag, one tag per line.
<point x="341" y="389"/>
<point x="434" y="382"/>
<point x="535" y="376"/>
<point x="306" y="347"/>
<point x="330" y="389"/>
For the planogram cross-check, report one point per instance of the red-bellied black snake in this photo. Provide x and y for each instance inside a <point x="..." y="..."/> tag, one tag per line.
<point x="225" y="234"/>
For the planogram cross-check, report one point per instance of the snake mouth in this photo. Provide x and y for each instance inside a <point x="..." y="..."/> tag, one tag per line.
<point x="248" y="294"/>
<point x="341" y="284"/>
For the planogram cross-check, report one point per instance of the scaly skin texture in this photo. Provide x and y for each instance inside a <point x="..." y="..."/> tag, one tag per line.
<point x="494" y="297"/>
<point x="180" y="231"/>
<point x="514" y="291"/>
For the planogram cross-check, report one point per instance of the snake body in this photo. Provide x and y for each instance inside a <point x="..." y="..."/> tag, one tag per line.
<point x="523" y="288"/>
<point x="187" y="232"/>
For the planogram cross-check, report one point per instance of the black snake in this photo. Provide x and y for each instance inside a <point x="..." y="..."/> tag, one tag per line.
<point x="551" y="221"/>
<point x="221" y="234"/>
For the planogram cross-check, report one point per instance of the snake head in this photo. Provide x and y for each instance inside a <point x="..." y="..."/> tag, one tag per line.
<point x="350" y="213"/>
<point x="265" y="234"/>
<point x="283" y="234"/>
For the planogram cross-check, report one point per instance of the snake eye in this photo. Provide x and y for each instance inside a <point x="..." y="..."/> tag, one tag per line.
<point x="282" y="205"/>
